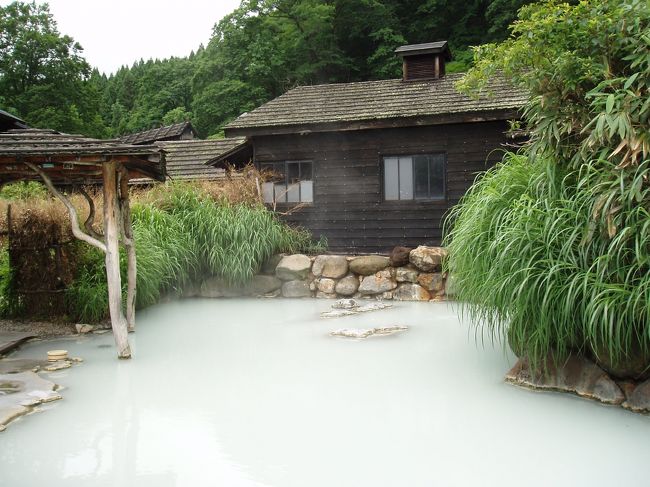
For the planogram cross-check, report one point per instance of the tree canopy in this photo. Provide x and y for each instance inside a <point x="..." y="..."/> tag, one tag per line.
<point x="43" y="75"/>
<point x="257" y="52"/>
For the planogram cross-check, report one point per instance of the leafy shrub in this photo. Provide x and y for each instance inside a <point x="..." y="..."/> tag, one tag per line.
<point x="23" y="190"/>
<point x="552" y="247"/>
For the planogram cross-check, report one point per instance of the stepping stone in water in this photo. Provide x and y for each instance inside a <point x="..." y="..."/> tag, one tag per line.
<point x="340" y="311"/>
<point x="366" y="332"/>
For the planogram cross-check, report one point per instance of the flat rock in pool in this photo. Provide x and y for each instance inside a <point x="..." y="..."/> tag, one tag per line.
<point x="21" y="392"/>
<point x="577" y="375"/>
<point x="337" y="312"/>
<point x="353" y="332"/>
<point x="345" y="304"/>
<point x="367" y="332"/>
<point x="14" y="366"/>
<point x="639" y="399"/>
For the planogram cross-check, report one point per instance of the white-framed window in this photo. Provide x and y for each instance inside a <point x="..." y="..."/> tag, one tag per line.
<point x="414" y="177"/>
<point x="291" y="182"/>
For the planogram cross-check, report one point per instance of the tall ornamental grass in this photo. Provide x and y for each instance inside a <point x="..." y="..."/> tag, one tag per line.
<point x="552" y="247"/>
<point x="183" y="235"/>
<point x="532" y="258"/>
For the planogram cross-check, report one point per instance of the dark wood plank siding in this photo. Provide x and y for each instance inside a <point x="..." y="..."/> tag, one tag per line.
<point x="348" y="207"/>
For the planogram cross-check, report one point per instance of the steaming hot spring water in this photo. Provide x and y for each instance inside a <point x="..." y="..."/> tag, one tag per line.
<point x="256" y="393"/>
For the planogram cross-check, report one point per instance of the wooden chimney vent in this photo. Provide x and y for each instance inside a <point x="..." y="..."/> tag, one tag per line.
<point x="424" y="61"/>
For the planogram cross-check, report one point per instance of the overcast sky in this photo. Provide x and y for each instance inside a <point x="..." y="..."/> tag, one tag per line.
<point x="117" y="32"/>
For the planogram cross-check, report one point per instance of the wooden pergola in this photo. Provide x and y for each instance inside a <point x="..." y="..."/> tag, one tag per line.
<point x="62" y="159"/>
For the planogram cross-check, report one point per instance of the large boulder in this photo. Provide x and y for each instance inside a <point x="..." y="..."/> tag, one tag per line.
<point x="411" y="292"/>
<point x="635" y="365"/>
<point x="433" y="282"/>
<point x="293" y="267"/>
<point x="218" y="287"/>
<point x="83" y="328"/>
<point x="325" y="285"/>
<point x="347" y="286"/>
<point x="427" y="259"/>
<point x="322" y="295"/>
<point x="639" y="399"/>
<point x="269" y="266"/>
<point x="451" y="286"/>
<point x="577" y="375"/>
<point x="331" y="266"/>
<point x="296" y="289"/>
<point x="261" y="285"/>
<point x="368" y="265"/>
<point x="399" y="256"/>
<point x="406" y="274"/>
<point x="380" y="282"/>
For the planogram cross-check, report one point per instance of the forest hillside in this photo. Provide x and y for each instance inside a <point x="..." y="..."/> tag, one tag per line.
<point x="256" y="53"/>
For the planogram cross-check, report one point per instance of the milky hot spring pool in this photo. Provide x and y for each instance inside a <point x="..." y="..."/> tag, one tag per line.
<point x="255" y="393"/>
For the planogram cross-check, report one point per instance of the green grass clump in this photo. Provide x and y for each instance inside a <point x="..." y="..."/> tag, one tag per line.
<point x="183" y="235"/>
<point x="556" y="260"/>
<point x="23" y="190"/>
<point x="5" y="281"/>
<point x="87" y="298"/>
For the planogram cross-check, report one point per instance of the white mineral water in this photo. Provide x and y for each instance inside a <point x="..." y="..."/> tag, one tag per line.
<point x="256" y="393"/>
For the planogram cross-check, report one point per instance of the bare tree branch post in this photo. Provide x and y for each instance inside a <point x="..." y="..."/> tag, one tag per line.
<point x="90" y="221"/>
<point x="111" y="233"/>
<point x="129" y="243"/>
<point x="111" y="248"/>
<point x="72" y="212"/>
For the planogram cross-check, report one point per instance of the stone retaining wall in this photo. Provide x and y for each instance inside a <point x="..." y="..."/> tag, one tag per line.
<point x="406" y="275"/>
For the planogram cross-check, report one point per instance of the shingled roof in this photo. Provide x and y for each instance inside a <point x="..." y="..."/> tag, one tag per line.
<point x="9" y="121"/>
<point x="350" y="106"/>
<point x="72" y="158"/>
<point x="162" y="133"/>
<point x="186" y="159"/>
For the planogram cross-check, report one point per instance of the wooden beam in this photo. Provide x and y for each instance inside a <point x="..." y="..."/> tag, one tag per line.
<point x="129" y="243"/>
<point x="111" y="233"/>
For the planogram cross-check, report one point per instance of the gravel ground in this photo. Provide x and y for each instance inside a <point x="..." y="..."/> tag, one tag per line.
<point x="43" y="329"/>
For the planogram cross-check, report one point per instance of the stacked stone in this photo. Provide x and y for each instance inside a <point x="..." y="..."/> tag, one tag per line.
<point x="406" y="275"/>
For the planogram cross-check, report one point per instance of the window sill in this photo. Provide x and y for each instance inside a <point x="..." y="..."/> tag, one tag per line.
<point x="419" y="201"/>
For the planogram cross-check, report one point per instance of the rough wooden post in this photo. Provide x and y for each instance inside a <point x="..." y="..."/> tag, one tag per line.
<point x="129" y="243"/>
<point x="111" y="234"/>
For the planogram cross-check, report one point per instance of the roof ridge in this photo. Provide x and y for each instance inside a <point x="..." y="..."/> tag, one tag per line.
<point x="378" y="99"/>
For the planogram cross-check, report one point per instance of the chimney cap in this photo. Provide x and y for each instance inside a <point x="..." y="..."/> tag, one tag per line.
<point x="440" y="47"/>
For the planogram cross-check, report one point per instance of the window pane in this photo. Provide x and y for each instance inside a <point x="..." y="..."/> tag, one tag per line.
<point x="306" y="191"/>
<point x="293" y="193"/>
<point x="267" y="192"/>
<point x="437" y="176"/>
<point x="405" y="178"/>
<point x="280" y="193"/>
<point x="306" y="171"/>
<point x="293" y="172"/>
<point x="391" y="190"/>
<point x="421" y="170"/>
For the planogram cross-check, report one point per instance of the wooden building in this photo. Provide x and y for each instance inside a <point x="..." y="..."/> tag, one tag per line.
<point x="377" y="164"/>
<point x="187" y="159"/>
<point x="10" y="122"/>
<point x="177" y="131"/>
